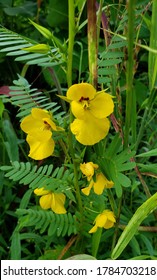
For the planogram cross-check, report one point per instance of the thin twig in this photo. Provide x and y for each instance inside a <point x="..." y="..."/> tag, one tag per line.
<point x="141" y="228"/>
<point x="67" y="247"/>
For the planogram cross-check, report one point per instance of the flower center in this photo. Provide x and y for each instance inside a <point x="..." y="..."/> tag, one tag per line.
<point x="85" y="102"/>
<point x="46" y="126"/>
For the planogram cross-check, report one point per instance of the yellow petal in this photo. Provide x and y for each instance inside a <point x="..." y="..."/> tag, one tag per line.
<point x="40" y="135"/>
<point x="39" y="114"/>
<point x="93" y="229"/>
<point x="45" y="201"/>
<point x="77" y="91"/>
<point x="108" y="224"/>
<point x="87" y="190"/>
<point x="104" y="220"/>
<point x="28" y="124"/>
<point x="101" y="220"/>
<point x="78" y="110"/>
<point x="110" y="219"/>
<point x="101" y="183"/>
<point x="64" y="98"/>
<point x="91" y="130"/>
<point x="41" y="191"/>
<point x="57" y="203"/>
<point x="102" y="105"/>
<point x="40" y="150"/>
<point x="88" y="169"/>
<point x="50" y="123"/>
<point x="110" y="215"/>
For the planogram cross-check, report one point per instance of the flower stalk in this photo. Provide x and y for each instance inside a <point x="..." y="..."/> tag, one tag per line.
<point x="71" y="41"/>
<point x="75" y="165"/>
<point x="130" y="104"/>
<point x="92" y="41"/>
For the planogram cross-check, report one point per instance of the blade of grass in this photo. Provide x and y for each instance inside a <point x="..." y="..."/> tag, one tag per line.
<point x="141" y="213"/>
<point x="130" y="72"/>
<point x="152" y="72"/>
<point x="152" y="59"/>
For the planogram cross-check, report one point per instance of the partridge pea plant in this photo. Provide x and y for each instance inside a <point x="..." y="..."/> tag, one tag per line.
<point x="84" y="167"/>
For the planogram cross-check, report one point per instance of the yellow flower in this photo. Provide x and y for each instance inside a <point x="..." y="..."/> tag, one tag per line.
<point x="101" y="182"/>
<point x="39" y="125"/>
<point x="99" y="185"/>
<point x="48" y="199"/>
<point x="104" y="220"/>
<point x="90" y="109"/>
<point x="88" y="169"/>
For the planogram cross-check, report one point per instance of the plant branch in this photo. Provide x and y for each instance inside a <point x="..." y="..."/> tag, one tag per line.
<point x="129" y="70"/>
<point x="72" y="31"/>
<point x="92" y="42"/>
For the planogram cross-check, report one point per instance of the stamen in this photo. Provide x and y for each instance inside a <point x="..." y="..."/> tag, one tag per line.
<point x="47" y="126"/>
<point x="84" y="99"/>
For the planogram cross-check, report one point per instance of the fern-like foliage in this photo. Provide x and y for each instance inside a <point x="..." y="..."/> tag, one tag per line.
<point x="109" y="59"/>
<point x="60" y="225"/>
<point x="56" y="180"/>
<point x="12" y="44"/>
<point x="22" y="95"/>
<point x="115" y="163"/>
<point x="114" y="54"/>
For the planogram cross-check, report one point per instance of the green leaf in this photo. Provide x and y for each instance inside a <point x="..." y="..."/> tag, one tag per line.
<point x="80" y="4"/>
<point x="11" y="141"/>
<point x="115" y="161"/>
<point x="152" y="59"/>
<point x="13" y="44"/>
<point x="28" y="8"/>
<point x="151" y="153"/>
<point x="15" y="246"/>
<point x="59" y="224"/>
<point x="152" y="168"/>
<point x="26" y="98"/>
<point x="1" y="108"/>
<point x="58" y="14"/>
<point x="124" y="180"/>
<point x="81" y="257"/>
<point x="25" y="199"/>
<point x="135" y="246"/>
<point x="141" y="213"/>
<point x="144" y="257"/>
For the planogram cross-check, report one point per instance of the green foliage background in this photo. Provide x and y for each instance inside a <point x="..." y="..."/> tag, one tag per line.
<point x="127" y="156"/>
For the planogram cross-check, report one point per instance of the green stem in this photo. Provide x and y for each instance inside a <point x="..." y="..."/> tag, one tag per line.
<point x="152" y="59"/>
<point x="112" y="201"/>
<point x="141" y="228"/>
<point x="92" y="41"/>
<point x="99" y="13"/>
<point x="80" y="14"/>
<point x="75" y="164"/>
<point x="129" y="70"/>
<point x="72" y="31"/>
<point x="64" y="148"/>
<point x="77" y="188"/>
<point x="58" y="86"/>
<point x="24" y="70"/>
